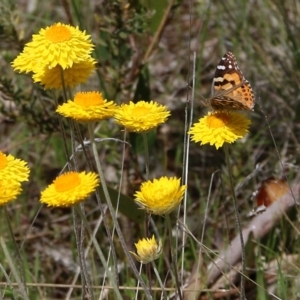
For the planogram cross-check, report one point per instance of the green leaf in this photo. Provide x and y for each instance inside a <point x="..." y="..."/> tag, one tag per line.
<point x="127" y="206"/>
<point x="158" y="8"/>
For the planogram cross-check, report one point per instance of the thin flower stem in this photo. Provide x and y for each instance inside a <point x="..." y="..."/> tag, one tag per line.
<point x="18" y="257"/>
<point x="138" y="283"/>
<point x="238" y="222"/>
<point x="7" y="278"/>
<point x="149" y="277"/>
<point x="78" y="225"/>
<point x="101" y="207"/>
<point x="185" y="162"/>
<point x="159" y="280"/>
<point x="113" y="213"/>
<point x="112" y="250"/>
<point x="86" y="252"/>
<point x="173" y="256"/>
<point x="99" y="252"/>
<point x="73" y="144"/>
<point x="79" y="237"/>
<point x="14" y="271"/>
<point x="64" y="137"/>
<point x="147" y="216"/>
<point x="147" y="160"/>
<point x="63" y="84"/>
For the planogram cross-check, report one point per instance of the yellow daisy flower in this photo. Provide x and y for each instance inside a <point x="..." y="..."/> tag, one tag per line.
<point x="161" y="196"/>
<point x="51" y="77"/>
<point x="219" y="128"/>
<point x="10" y="189"/>
<point x="147" y="250"/>
<point x="70" y="188"/>
<point x="141" y="116"/>
<point x="87" y="107"/>
<point x="58" y="44"/>
<point x="13" y="169"/>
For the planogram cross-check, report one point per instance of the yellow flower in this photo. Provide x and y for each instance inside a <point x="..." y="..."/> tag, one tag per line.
<point x="87" y="106"/>
<point x="70" y="188"/>
<point x="147" y="250"/>
<point x="10" y="189"/>
<point x="13" y="169"/>
<point x="58" y="44"/>
<point x="161" y="196"/>
<point x="51" y="78"/>
<point x="219" y="128"/>
<point x="141" y="116"/>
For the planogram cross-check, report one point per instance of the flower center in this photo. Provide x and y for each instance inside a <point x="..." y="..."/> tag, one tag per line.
<point x="140" y="111"/>
<point x="3" y="161"/>
<point x="58" y="33"/>
<point x="66" y="182"/>
<point x="217" y="120"/>
<point x="88" y="99"/>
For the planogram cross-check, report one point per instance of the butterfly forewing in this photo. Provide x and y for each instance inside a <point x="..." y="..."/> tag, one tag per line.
<point x="230" y="89"/>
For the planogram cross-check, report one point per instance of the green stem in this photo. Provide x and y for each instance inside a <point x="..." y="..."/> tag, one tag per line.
<point x="159" y="280"/>
<point x="138" y="283"/>
<point x="113" y="213"/>
<point x="64" y="136"/>
<point x="238" y="222"/>
<point x="63" y="84"/>
<point x="147" y="160"/>
<point x="79" y="238"/>
<point x="147" y="216"/>
<point x="13" y="269"/>
<point x="173" y="255"/>
<point x="18" y="257"/>
<point x="147" y="163"/>
<point x="99" y="252"/>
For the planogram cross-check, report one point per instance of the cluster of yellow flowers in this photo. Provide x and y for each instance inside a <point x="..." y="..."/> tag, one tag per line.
<point x="59" y="57"/>
<point x="57" y="50"/>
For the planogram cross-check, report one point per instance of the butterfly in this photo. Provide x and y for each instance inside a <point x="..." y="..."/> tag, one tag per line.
<point x="230" y="89"/>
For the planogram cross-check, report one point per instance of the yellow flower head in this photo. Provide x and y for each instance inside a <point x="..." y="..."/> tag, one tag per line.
<point x="58" y="44"/>
<point x="141" y="116"/>
<point x="87" y="106"/>
<point x="147" y="250"/>
<point x="51" y="78"/>
<point x="160" y="196"/>
<point x="10" y="189"/>
<point x="70" y="188"/>
<point x="219" y="128"/>
<point x="13" y="169"/>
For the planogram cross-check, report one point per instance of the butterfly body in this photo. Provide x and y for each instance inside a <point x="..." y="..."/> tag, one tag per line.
<point x="230" y="89"/>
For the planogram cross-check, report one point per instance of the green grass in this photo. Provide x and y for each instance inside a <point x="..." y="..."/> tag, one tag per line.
<point x="263" y="35"/>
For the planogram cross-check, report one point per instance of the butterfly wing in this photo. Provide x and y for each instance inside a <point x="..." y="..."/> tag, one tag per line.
<point x="230" y="89"/>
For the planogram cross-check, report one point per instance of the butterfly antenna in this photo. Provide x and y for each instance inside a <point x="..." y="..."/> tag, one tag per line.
<point x="204" y="101"/>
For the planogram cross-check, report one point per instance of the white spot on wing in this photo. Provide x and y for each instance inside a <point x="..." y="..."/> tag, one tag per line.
<point x="218" y="79"/>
